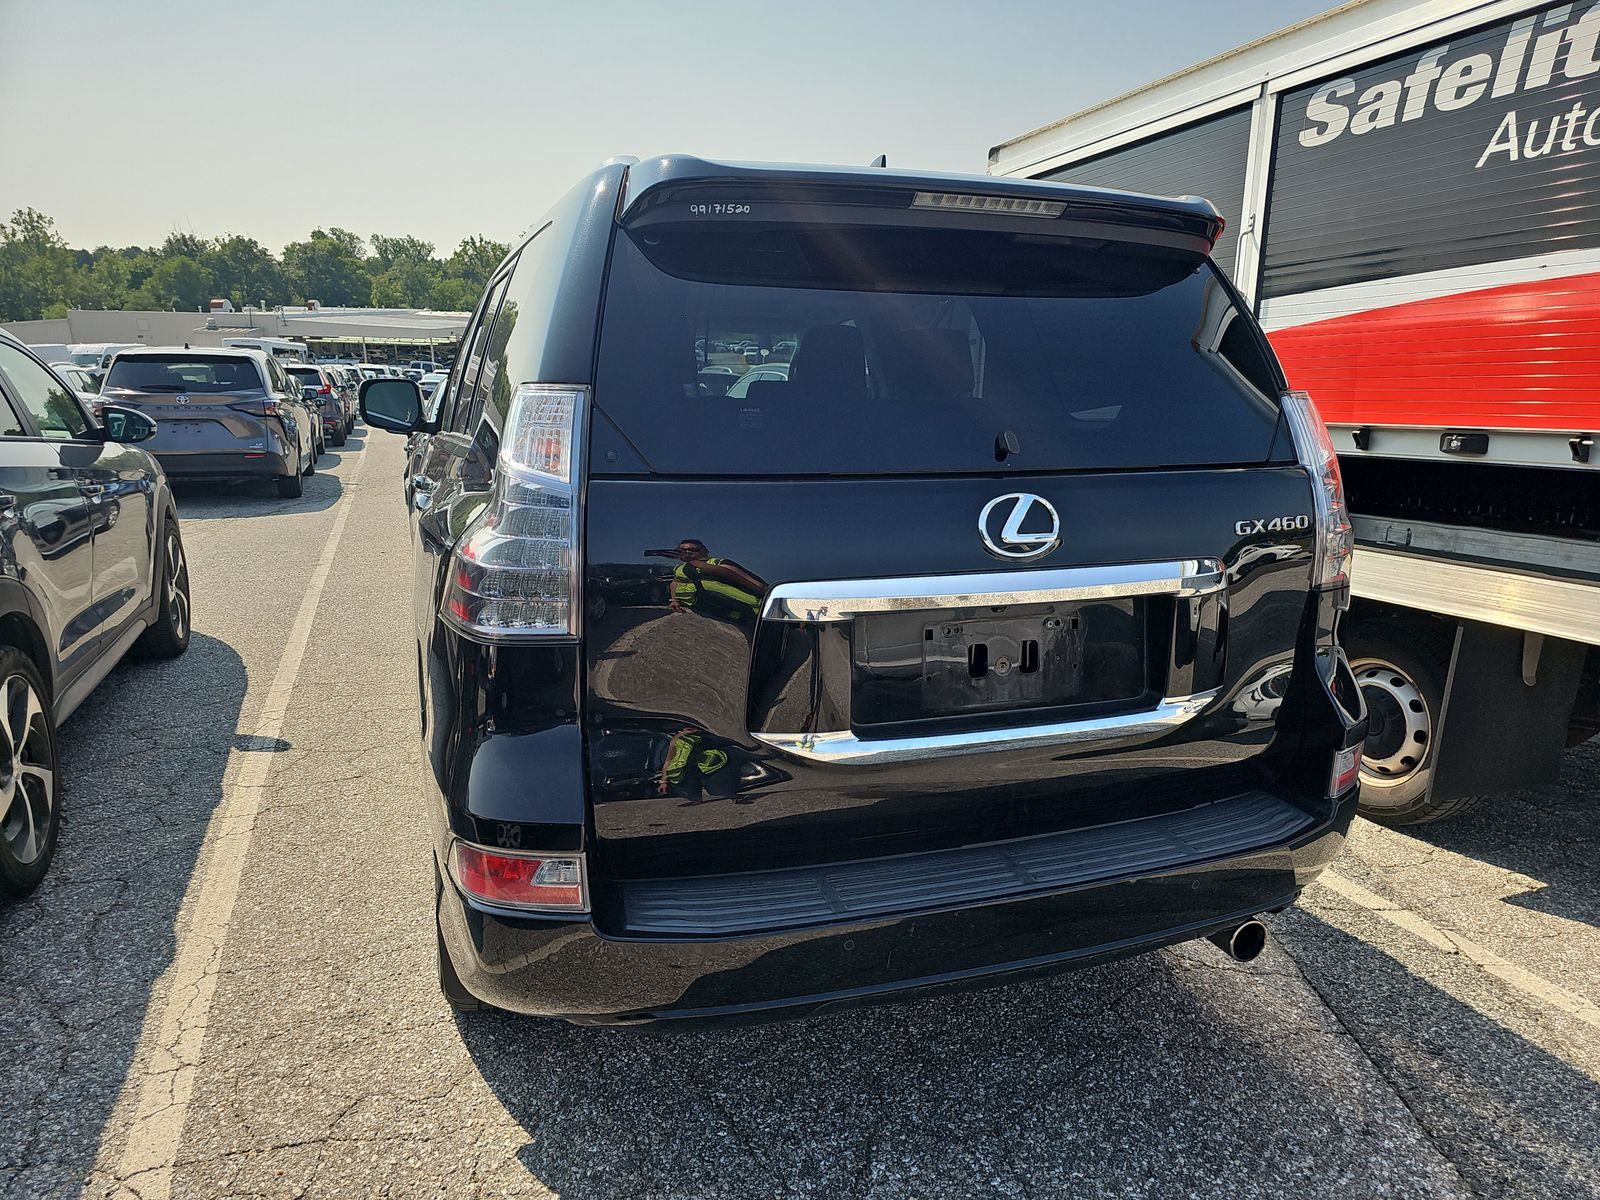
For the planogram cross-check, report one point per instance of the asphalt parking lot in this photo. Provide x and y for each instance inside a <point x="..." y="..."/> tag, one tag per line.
<point x="225" y="986"/>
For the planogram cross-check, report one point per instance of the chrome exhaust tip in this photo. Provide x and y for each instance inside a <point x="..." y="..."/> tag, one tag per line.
<point x="1242" y="943"/>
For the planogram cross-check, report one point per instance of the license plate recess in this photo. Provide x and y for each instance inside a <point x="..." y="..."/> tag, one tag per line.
<point x="918" y="666"/>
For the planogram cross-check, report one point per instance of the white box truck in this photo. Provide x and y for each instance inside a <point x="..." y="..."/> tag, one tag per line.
<point x="1412" y="192"/>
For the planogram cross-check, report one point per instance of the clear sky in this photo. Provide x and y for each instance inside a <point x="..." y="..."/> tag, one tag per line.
<point x="127" y="119"/>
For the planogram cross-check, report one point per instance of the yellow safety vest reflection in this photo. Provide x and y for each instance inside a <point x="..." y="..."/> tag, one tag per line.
<point x="683" y="749"/>
<point x="686" y="590"/>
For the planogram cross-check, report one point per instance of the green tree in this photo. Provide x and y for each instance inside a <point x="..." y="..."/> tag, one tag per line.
<point x="41" y="276"/>
<point x="328" y="266"/>
<point x="475" y="260"/>
<point x="35" y="266"/>
<point x="183" y="245"/>
<point x="404" y="285"/>
<point x="390" y="252"/>
<point x="177" y="284"/>
<point x="244" y="271"/>
<point x="454" y="295"/>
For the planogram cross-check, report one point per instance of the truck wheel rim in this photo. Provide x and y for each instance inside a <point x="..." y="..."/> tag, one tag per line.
<point x="27" y="771"/>
<point x="1400" y="726"/>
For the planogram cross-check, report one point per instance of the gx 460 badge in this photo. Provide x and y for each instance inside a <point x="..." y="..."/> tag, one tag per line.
<point x="1272" y="525"/>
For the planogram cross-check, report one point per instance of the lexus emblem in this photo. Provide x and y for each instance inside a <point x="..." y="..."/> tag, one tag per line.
<point x="1019" y="525"/>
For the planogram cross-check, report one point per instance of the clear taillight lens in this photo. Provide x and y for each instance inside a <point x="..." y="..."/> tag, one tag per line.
<point x="515" y="570"/>
<point x="1335" y="540"/>
<point x="514" y="880"/>
<point x="1346" y="771"/>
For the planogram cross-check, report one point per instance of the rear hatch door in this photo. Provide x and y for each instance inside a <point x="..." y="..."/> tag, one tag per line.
<point x="969" y="567"/>
<point x="201" y="404"/>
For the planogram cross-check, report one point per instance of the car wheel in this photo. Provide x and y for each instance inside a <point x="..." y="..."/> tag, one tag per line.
<point x="310" y="463"/>
<point x="169" y="636"/>
<point x="291" y="485"/>
<point x="1401" y="673"/>
<point x="30" y="776"/>
<point x="339" y="436"/>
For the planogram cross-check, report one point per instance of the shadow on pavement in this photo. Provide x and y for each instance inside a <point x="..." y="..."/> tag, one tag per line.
<point x="1550" y="834"/>
<point x="1517" y="1120"/>
<point x="139" y="783"/>
<point x="203" y="499"/>
<point x="1177" y="1073"/>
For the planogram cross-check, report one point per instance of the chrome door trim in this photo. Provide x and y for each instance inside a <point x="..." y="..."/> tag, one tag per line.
<point x="843" y="746"/>
<point x="846" y="599"/>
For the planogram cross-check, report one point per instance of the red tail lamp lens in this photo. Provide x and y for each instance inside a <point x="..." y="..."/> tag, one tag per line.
<point x="519" y="880"/>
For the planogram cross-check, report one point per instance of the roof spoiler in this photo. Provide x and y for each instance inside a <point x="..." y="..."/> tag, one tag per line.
<point x="679" y="189"/>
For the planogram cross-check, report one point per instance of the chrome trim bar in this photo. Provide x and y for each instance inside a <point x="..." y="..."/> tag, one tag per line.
<point x="845" y="747"/>
<point x="846" y="599"/>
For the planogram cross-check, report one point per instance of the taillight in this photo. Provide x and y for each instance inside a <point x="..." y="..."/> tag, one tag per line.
<point x="324" y="390"/>
<point x="516" y="880"/>
<point x="271" y="407"/>
<point x="1346" y="770"/>
<point x="515" y="571"/>
<point x="1335" y="539"/>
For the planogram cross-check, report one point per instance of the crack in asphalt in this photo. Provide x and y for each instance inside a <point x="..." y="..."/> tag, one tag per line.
<point x="1401" y="1093"/>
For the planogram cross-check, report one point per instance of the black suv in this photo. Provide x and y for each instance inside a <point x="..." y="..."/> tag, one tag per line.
<point x="991" y="629"/>
<point x="91" y="566"/>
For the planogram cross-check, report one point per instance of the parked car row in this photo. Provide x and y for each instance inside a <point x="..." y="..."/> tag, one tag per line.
<point x="334" y="389"/>
<point x="230" y="413"/>
<point x="91" y="568"/>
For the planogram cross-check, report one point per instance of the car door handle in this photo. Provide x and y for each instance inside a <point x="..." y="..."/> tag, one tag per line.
<point x="91" y="489"/>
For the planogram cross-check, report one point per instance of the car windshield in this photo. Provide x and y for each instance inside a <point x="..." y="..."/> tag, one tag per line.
<point x="820" y="350"/>
<point x="183" y="373"/>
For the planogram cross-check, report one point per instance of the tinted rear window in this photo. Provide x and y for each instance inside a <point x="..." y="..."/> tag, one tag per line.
<point x="913" y="351"/>
<point x="182" y="373"/>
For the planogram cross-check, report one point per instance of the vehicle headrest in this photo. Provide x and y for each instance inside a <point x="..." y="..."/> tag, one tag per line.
<point x="830" y="358"/>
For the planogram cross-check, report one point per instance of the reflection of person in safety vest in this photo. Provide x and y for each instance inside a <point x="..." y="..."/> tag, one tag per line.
<point x="718" y="587"/>
<point x="691" y="769"/>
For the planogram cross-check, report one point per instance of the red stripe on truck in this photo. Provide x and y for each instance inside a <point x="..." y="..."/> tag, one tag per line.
<point x="1522" y="356"/>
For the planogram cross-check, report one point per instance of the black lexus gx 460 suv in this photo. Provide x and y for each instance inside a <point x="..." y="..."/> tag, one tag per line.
<point x="838" y="583"/>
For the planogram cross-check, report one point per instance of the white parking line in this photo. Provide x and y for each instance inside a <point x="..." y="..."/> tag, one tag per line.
<point x="169" y="1045"/>
<point x="1488" y="961"/>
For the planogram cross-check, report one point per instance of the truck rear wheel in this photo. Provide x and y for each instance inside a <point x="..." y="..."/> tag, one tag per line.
<point x="1401" y="670"/>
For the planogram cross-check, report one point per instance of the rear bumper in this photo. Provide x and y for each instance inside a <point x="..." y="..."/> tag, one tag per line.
<point x="215" y="465"/>
<point x="576" y="970"/>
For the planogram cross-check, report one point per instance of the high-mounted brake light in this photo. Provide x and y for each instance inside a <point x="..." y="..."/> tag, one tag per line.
<point x="1017" y="206"/>
<point x="515" y="880"/>
<point x="515" y="570"/>
<point x="1335" y="539"/>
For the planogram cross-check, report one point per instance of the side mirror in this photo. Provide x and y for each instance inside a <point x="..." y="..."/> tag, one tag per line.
<point x="392" y="404"/>
<point x="308" y="394"/>
<point x="126" y="425"/>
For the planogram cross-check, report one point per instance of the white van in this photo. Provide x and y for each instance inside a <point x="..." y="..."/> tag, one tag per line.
<point x="279" y="348"/>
